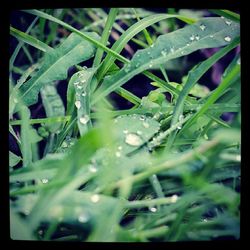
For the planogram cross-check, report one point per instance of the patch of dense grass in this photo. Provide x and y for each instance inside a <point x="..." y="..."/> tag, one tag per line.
<point x="167" y="169"/>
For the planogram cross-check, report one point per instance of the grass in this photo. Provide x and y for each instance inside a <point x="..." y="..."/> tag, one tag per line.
<point x="85" y="168"/>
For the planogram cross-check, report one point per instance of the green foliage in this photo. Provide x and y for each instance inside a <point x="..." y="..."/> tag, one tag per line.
<point x="166" y="169"/>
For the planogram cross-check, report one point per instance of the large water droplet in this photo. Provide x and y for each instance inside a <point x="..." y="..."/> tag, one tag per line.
<point x="227" y="38"/>
<point x="95" y="198"/>
<point x="78" y="104"/>
<point x="153" y="209"/>
<point x="133" y="139"/>
<point x="202" y="27"/>
<point x="84" y="119"/>
<point x="192" y="38"/>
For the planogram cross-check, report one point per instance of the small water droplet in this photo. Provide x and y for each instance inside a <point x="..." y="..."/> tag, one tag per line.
<point x="79" y="87"/>
<point x="202" y="27"/>
<point x="118" y="154"/>
<point x="83" y="218"/>
<point x="15" y="100"/>
<point x="152" y="46"/>
<point x="76" y="83"/>
<point x="188" y="44"/>
<point x="64" y="145"/>
<point x="227" y="38"/>
<point x="84" y="119"/>
<point x="192" y="38"/>
<point x="211" y="36"/>
<point x="95" y="198"/>
<point x="138" y="132"/>
<point x="84" y="93"/>
<point x="78" y="104"/>
<point x="120" y="148"/>
<point x="83" y="81"/>
<point x="228" y="22"/>
<point x="222" y="17"/>
<point x="164" y="53"/>
<point x="174" y="198"/>
<point x="92" y="169"/>
<point x="137" y="65"/>
<point x="125" y="131"/>
<point x="148" y="52"/>
<point x="205" y="220"/>
<point x="182" y="52"/>
<point x="153" y="209"/>
<point x="197" y="37"/>
<point x="44" y="181"/>
<point x="172" y="50"/>
<point x="133" y="139"/>
<point x="145" y="125"/>
<point x="115" y="121"/>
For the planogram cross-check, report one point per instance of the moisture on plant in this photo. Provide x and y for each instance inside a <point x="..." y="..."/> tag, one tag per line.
<point x="124" y="125"/>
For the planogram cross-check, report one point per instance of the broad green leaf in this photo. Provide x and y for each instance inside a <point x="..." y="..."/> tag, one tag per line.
<point x="53" y="106"/>
<point x="56" y="63"/>
<point x="207" y="33"/>
<point x="133" y="131"/>
<point x="13" y="159"/>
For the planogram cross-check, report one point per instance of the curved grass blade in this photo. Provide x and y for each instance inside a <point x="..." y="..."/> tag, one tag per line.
<point x="128" y="35"/>
<point x="193" y="76"/>
<point x="228" y="80"/>
<point x="56" y="63"/>
<point x="207" y="33"/>
<point x="13" y="159"/>
<point x="30" y="40"/>
<point x="228" y="14"/>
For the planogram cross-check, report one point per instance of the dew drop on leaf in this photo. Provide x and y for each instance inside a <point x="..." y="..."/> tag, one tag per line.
<point x="192" y="38"/>
<point x="83" y="93"/>
<point x="174" y="198"/>
<point x="118" y="154"/>
<point x="228" y="23"/>
<point x="84" y="119"/>
<point x="153" y="209"/>
<point x="197" y="37"/>
<point x="92" y="169"/>
<point x="44" y="181"/>
<point x="95" y="198"/>
<point x="125" y="131"/>
<point x="78" y="104"/>
<point x="83" y="217"/>
<point x="138" y="132"/>
<point x="133" y="139"/>
<point x="227" y="38"/>
<point x="202" y="27"/>
<point x="145" y="125"/>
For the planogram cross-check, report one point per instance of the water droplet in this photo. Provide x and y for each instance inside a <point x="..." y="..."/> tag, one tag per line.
<point x="228" y="22"/>
<point x="137" y="65"/>
<point x="222" y="17"/>
<point x="84" y="119"/>
<point x="174" y="198"/>
<point x="197" y="37"/>
<point x="182" y="52"/>
<point x="95" y="198"/>
<point x="164" y="53"/>
<point x="192" y="38"/>
<point x="44" y="181"/>
<point x="125" y="131"/>
<point x="79" y="87"/>
<point x="150" y="64"/>
<point x="145" y="125"/>
<point x="153" y="209"/>
<point x="64" y="145"/>
<point x="78" y="104"/>
<point x="238" y="61"/>
<point x="92" y="169"/>
<point x="138" y="132"/>
<point x="142" y="117"/>
<point x="227" y="38"/>
<point x="115" y="121"/>
<point x="76" y="83"/>
<point x="83" y="81"/>
<point x="84" y="93"/>
<point x="148" y="52"/>
<point x="83" y="218"/>
<point x="202" y="27"/>
<point x="152" y="46"/>
<point x="211" y="36"/>
<point x="238" y="158"/>
<point x="188" y="44"/>
<point x="15" y="100"/>
<point x="120" y="148"/>
<point x="118" y="154"/>
<point x="205" y="220"/>
<point x="172" y="50"/>
<point x="133" y="139"/>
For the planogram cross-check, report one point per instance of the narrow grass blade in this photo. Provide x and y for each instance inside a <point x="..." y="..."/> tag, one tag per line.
<point x="179" y="43"/>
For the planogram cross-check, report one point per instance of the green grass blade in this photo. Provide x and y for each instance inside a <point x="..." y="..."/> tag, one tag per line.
<point x="215" y="34"/>
<point x="127" y="36"/>
<point x="193" y="76"/>
<point x="228" y="80"/>
<point x="228" y="14"/>
<point x="24" y="37"/>
<point x="56" y="63"/>
<point x="105" y="35"/>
